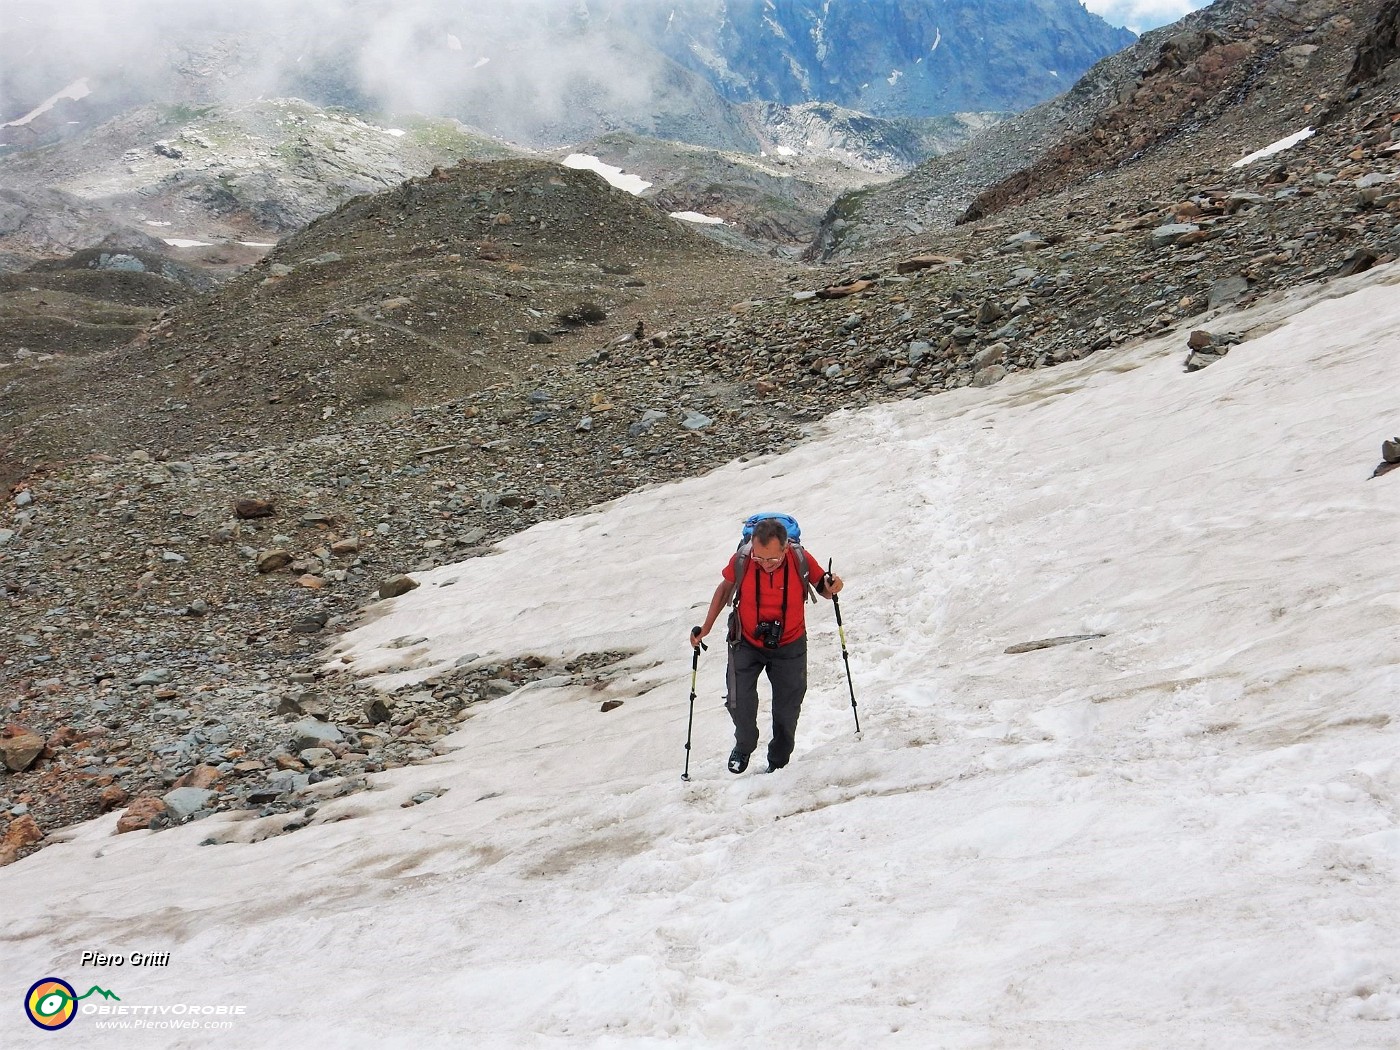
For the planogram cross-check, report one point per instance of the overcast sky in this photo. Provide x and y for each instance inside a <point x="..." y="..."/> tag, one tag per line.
<point x="1142" y="15"/>
<point x="434" y="56"/>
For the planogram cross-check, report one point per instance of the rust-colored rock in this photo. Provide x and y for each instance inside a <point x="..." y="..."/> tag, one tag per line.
<point x="201" y="776"/>
<point x="139" y="814"/>
<point x="247" y="509"/>
<point x="840" y="291"/>
<point x="63" y="736"/>
<point x="23" y="831"/>
<point x="113" y="797"/>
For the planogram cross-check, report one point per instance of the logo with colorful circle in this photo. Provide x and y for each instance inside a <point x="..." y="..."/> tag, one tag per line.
<point x="52" y="1003"/>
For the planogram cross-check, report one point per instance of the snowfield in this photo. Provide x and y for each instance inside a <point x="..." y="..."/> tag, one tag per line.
<point x="1185" y="833"/>
<point x="613" y="176"/>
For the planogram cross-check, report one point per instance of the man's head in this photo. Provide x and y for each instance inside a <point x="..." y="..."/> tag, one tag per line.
<point x="769" y="542"/>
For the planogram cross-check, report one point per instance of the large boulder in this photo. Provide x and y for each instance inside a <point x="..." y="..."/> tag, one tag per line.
<point x="19" y="747"/>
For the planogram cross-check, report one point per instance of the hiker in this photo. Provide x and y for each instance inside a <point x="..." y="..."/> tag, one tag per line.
<point x="768" y="579"/>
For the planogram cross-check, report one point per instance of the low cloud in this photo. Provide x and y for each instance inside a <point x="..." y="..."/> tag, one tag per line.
<point x="525" y="61"/>
<point x="1142" y="15"/>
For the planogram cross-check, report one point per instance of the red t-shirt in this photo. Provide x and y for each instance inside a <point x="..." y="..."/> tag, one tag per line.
<point x="769" y="588"/>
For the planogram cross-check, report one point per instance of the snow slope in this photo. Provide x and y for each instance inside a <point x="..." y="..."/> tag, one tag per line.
<point x="1183" y="834"/>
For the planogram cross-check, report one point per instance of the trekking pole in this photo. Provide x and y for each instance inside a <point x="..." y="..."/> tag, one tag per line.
<point x="690" y="721"/>
<point x="841" y="630"/>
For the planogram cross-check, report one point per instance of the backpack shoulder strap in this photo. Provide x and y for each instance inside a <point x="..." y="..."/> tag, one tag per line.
<point x="741" y="568"/>
<point x="809" y="592"/>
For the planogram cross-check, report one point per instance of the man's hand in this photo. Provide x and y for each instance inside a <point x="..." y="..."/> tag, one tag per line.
<point x="831" y="585"/>
<point x="697" y="635"/>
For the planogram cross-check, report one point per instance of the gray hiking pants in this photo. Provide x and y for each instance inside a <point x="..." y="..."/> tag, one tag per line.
<point x="787" y="674"/>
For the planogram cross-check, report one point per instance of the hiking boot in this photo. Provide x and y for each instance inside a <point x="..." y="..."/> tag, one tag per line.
<point x="773" y="769"/>
<point x="738" y="761"/>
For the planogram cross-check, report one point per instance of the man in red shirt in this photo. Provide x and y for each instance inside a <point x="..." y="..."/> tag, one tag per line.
<point x="767" y="632"/>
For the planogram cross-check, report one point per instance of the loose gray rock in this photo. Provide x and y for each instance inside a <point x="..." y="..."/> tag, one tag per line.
<point x="991" y="355"/>
<point x="1165" y="236"/>
<point x="184" y="802"/>
<point x="312" y="732"/>
<point x="1226" y="291"/>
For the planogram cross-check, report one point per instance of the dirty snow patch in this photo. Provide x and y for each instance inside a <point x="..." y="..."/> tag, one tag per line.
<point x="614" y="176"/>
<point x="74" y="91"/>
<point x="695" y="216"/>
<point x="1277" y="147"/>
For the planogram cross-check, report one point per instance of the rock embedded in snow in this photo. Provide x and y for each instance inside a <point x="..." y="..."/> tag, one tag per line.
<point x="22" y="832"/>
<point x="186" y="801"/>
<point x="396" y="585"/>
<point x="1226" y="291"/>
<point x="139" y="816"/>
<point x="990" y="375"/>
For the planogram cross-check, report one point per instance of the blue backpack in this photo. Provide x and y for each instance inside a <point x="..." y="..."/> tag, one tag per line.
<point x="794" y="530"/>
<point x="794" y="534"/>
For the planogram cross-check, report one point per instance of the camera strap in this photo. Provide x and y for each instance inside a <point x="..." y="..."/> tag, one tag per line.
<point x="758" y="582"/>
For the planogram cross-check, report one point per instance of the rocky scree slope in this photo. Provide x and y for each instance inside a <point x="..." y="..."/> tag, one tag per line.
<point x="1222" y="81"/>
<point x="447" y="284"/>
<point x="881" y="145"/>
<point x="811" y="154"/>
